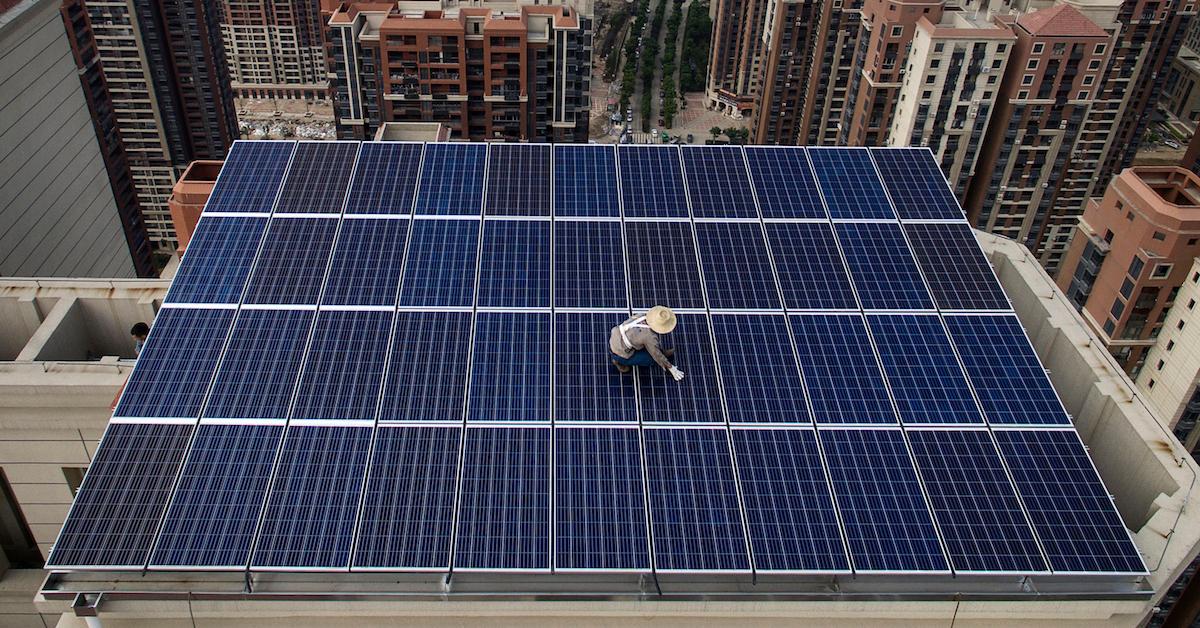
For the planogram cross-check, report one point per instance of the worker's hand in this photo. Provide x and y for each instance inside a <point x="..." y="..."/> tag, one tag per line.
<point x="676" y="373"/>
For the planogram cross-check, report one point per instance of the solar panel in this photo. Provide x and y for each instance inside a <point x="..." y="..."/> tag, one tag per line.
<point x="958" y="274"/>
<point x="717" y="181"/>
<point x="759" y="373"/>
<point x="251" y="176"/>
<point x="591" y="533"/>
<point x="514" y="267"/>
<point x="925" y="377"/>
<point x="429" y="362"/>
<point x="318" y="178"/>
<point x="844" y="382"/>
<point x="811" y="272"/>
<point x="518" y="182"/>
<point x="696" y="397"/>
<point x="510" y="368"/>
<point x="589" y="266"/>
<point x="783" y="181"/>
<point x="587" y="387"/>
<point x="504" y="513"/>
<point x="652" y="182"/>
<point x="217" y="262"/>
<point x="737" y="267"/>
<point x="451" y="179"/>
<point x="291" y="267"/>
<point x="585" y="181"/>
<point x="385" y="179"/>
<point x="849" y="184"/>
<point x="916" y="184"/>
<point x="260" y="366"/>
<point x="662" y="265"/>
<point x="885" y="275"/>
<point x="367" y="260"/>
<point x="344" y="370"/>
<point x="440" y="268"/>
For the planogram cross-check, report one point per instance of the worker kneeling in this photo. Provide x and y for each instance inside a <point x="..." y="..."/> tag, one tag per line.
<point x="635" y="342"/>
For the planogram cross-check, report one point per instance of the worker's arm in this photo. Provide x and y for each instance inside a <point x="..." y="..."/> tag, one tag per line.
<point x="651" y="344"/>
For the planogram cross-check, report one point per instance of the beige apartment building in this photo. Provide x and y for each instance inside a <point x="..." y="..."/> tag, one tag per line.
<point x="1171" y="374"/>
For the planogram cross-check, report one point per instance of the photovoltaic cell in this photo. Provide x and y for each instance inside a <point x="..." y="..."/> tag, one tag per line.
<point x="214" y="513"/>
<point x="259" y="369"/>
<point x="515" y="264"/>
<point x="452" y="179"/>
<point x="318" y="179"/>
<point x="810" y="266"/>
<point x="585" y="181"/>
<point x="408" y="505"/>
<point x="916" y="184"/>
<point x="844" y="382"/>
<point x="662" y="265"/>
<point x="652" y="181"/>
<point x="440" y="269"/>
<point x="601" y="512"/>
<point x="958" y="274"/>
<point x="176" y="365"/>
<point x="589" y="265"/>
<point x="1010" y="382"/>
<point x="510" y="372"/>
<point x="344" y="370"/>
<point x="251" y="176"/>
<point x="694" y="511"/>
<point x="783" y="181"/>
<point x="313" y="505"/>
<point x="976" y="507"/>
<point x="718" y="184"/>
<point x="849" y="183"/>
<point x="117" y="509"/>
<point x="518" y="181"/>
<point x="367" y="261"/>
<point x="885" y="516"/>
<point x="736" y="266"/>
<point x="217" y="261"/>
<point x="926" y="380"/>
<point x="385" y="179"/>
<point x="758" y="369"/>
<point x="428" y="373"/>
<point x="696" y="396"/>
<point x="293" y="261"/>
<point x="504" y="513"/>
<point x="885" y="275"/>
<point x="587" y="387"/>
<point x="789" y="509"/>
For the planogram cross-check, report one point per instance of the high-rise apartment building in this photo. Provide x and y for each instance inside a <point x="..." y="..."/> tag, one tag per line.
<point x="160" y="88"/>
<point x="788" y="39"/>
<point x="1131" y="252"/>
<point x="275" y="48"/>
<point x="950" y="87"/>
<point x="832" y="69"/>
<point x="508" y="70"/>
<point x="738" y="37"/>
<point x="1170" y="376"/>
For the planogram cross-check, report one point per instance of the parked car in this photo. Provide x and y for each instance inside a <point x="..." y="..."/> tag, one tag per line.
<point x="1171" y="143"/>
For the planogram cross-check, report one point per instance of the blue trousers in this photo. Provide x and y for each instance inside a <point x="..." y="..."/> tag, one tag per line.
<point x="641" y="357"/>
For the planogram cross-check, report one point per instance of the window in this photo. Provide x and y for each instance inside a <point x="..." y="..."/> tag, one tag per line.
<point x="1038" y="48"/>
<point x="1089" y="79"/>
<point x="1180" y="325"/>
<point x="1150" y="384"/>
<point x="1100" y="49"/>
<point x="1191" y="304"/>
<point x="1161" y="271"/>
<point x="1002" y="48"/>
<point x="1136" y="266"/>
<point x="938" y="47"/>
<point x="930" y="79"/>
<point x="1027" y="79"/>
<point x="1023" y="94"/>
<point x="1129" y="216"/>
<point x="897" y="31"/>
<point x="1170" y="345"/>
<point x="996" y="64"/>
<point x="1032" y="64"/>
<point x="1192" y="241"/>
<point x="1160" y="236"/>
<point x="1109" y="326"/>
<point x="1108" y="235"/>
<point x="1127" y="288"/>
<point x="1118" y="308"/>
<point x="1196" y="277"/>
<point x="936" y="63"/>
<point x="1094" y="64"/>
<point x="1084" y="95"/>
<point x="1158" y="367"/>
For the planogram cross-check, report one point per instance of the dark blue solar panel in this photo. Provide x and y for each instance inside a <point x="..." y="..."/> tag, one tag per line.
<point x="718" y="184"/>
<point x="662" y="265"/>
<point x="514" y="268"/>
<point x="758" y="369"/>
<point x="318" y="178"/>
<point x="884" y="273"/>
<point x="784" y="182"/>
<point x="313" y="505"/>
<point x="585" y="181"/>
<point x="959" y="275"/>
<point x="518" y="181"/>
<point x="408" y="504"/>
<point x="737" y="268"/>
<point x="844" y="382"/>
<point x="292" y="264"/>
<point x="810" y="267"/>
<point x="510" y="371"/>
<point x="975" y="504"/>
<point x="452" y="179"/>
<point x="176" y="365"/>
<point x="213" y="516"/>
<point x="385" y="178"/>
<point x="217" y="261"/>
<point x="696" y="397"/>
<point x="587" y="387"/>
<point x="850" y="184"/>
<point x="884" y="513"/>
<point x="440" y="270"/>
<point x="367" y="261"/>
<point x="652" y="181"/>
<point x="916" y="184"/>
<point x="427" y="377"/>
<point x="792" y="522"/>
<point x="1072" y="512"/>
<point x="694" y="509"/>
<point x="249" y="180"/>
<point x="1008" y="378"/>
<point x="504" y="513"/>
<point x="260" y="367"/>
<point x="589" y="265"/>
<point x="926" y="380"/>
<point x="117" y="509"/>
<point x="344" y="370"/>
<point x="599" y="501"/>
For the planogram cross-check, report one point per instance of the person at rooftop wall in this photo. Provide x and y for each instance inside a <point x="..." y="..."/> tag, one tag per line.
<point x="139" y="332"/>
<point x="635" y="342"/>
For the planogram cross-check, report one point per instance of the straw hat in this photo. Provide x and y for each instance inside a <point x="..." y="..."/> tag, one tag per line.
<point x="661" y="319"/>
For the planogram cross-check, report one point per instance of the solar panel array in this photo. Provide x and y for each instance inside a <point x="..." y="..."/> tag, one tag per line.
<point x="394" y="357"/>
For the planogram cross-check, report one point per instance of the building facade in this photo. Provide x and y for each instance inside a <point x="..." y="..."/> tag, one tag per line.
<point x="508" y="71"/>
<point x="788" y="39"/>
<point x="1170" y="377"/>
<point x="739" y="39"/>
<point x="275" y="49"/>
